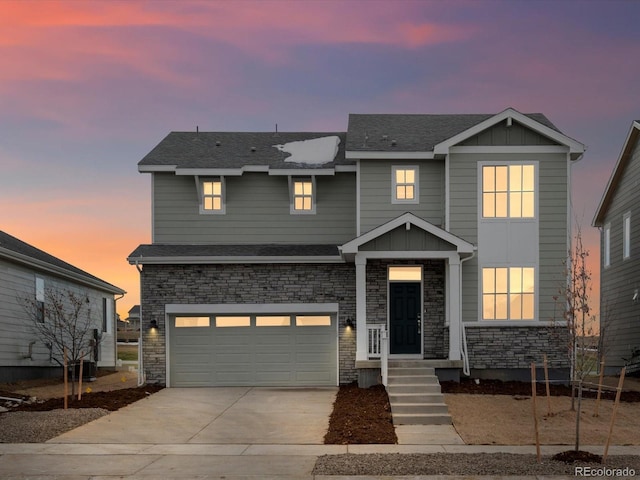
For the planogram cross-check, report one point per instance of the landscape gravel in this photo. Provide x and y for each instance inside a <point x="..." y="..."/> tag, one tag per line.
<point x="503" y="464"/>
<point x="37" y="427"/>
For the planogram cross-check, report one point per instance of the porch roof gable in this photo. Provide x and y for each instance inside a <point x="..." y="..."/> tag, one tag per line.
<point x="458" y="244"/>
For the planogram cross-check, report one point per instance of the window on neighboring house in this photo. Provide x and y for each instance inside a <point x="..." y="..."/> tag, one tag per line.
<point x="606" y="248"/>
<point x="626" y="235"/>
<point x="508" y="293"/>
<point x="213" y="196"/>
<point x="40" y="300"/>
<point x="303" y="199"/>
<point x="508" y="191"/>
<point x="404" y="184"/>
<point x="107" y="314"/>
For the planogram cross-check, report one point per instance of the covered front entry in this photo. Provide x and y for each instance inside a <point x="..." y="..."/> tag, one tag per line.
<point x="406" y="239"/>
<point x="405" y="336"/>
<point x="250" y="347"/>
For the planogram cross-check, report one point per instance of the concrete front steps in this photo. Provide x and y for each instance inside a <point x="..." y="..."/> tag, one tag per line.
<point x="414" y="394"/>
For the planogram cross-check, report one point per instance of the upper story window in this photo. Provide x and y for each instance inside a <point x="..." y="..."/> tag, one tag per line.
<point x="508" y="191"/>
<point x="213" y="196"/>
<point x="606" y="247"/>
<point x="626" y="235"/>
<point x="303" y="197"/>
<point x="40" y="300"/>
<point x="404" y="186"/>
<point x="508" y="293"/>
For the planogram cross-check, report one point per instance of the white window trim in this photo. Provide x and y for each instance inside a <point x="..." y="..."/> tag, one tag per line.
<point x="223" y="195"/>
<point x="416" y="185"/>
<point x="292" y="180"/>
<point x="536" y="191"/>
<point x="626" y="236"/>
<point x="606" y="247"/>
<point x="509" y="321"/>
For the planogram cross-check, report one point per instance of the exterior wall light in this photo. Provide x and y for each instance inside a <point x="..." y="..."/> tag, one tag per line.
<point x="153" y="325"/>
<point x="349" y="323"/>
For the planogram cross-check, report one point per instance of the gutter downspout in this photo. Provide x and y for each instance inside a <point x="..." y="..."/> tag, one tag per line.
<point x="141" y="376"/>
<point x="115" y="327"/>
<point x="463" y="334"/>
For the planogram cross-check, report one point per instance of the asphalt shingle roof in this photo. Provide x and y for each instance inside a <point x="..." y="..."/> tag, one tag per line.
<point x="412" y="132"/>
<point x="235" y="150"/>
<point x="170" y="250"/>
<point x="15" y="245"/>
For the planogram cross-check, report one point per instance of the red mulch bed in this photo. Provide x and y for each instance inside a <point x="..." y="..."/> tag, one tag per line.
<point x="361" y="415"/>
<point x="111" y="401"/>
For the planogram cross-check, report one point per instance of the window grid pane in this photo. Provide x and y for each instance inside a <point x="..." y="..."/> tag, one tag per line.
<point x="302" y="195"/>
<point x="405" y="184"/>
<point x="508" y="293"/>
<point x="212" y="195"/>
<point x="508" y="191"/>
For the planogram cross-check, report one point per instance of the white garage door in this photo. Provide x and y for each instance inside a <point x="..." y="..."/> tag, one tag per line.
<point x="253" y="350"/>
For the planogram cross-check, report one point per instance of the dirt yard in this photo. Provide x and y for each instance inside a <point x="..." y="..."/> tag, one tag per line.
<point x="508" y="420"/>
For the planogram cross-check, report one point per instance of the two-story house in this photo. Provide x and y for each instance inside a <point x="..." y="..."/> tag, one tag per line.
<point x="27" y="277"/>
<point x="617" y="219"/>
<point x="285" y="258"/>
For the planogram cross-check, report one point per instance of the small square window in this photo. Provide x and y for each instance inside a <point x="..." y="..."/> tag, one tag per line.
<point x="404" y="184"/>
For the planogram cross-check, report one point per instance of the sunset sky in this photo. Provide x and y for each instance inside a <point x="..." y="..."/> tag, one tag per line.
<point x="87" y="88"/>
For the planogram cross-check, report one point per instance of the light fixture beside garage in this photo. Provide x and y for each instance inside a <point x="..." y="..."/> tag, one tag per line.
<point x="153" y="325"/>
<point x="349" y="323"/>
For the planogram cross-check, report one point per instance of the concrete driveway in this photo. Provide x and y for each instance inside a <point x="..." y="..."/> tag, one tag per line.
<point x="223" y="415"/>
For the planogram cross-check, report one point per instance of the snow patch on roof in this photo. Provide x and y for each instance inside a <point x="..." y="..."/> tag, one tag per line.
<point x="316" y="151"/>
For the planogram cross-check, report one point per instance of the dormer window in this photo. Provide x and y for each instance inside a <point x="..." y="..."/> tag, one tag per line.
<point x="212" y="196"/>
<point x="303" y="199"/>
<point x="404" y="188"/>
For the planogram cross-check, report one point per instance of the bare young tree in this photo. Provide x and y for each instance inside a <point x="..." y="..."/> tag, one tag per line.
<point x="575" y="296"/>
<point x="65" y="321"/>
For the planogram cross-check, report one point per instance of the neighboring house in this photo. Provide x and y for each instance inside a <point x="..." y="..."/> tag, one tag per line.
<point x="618" y="218"/>
<point x="129" y="328"/>
<point x="25" y="274"/>
<point x="280" y="258"/>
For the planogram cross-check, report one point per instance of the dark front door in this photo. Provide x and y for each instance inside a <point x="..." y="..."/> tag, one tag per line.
<point x="404" y="318"/>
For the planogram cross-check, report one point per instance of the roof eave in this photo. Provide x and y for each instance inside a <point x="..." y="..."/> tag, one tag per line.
<point x="237" y="259"/>
<point x="632" y="136"/>
<point x="60" y="272"/>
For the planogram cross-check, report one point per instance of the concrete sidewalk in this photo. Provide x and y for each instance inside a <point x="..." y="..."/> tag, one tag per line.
<point x="54" y="461"/>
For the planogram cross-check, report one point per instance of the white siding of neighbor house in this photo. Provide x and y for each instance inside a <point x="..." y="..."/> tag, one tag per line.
<point x="552" y="198"/>
<point x="376" y="207"/>
<point x="257" y="211"/>
<point x="16" y="282"/>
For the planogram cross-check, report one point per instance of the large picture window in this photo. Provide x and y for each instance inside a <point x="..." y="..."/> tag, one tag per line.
<point x="508" y="293"/>
<point x="508" y="191"/>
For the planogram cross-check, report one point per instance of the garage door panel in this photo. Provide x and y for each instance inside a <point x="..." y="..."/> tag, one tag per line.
<point x="254" y="355"/>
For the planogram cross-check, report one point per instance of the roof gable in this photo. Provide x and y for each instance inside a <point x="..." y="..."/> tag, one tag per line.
<point x="16" y="250"/>
<point x="616" y="175"/>
<point x="408" y="220"/>
<point x="576" y="149"/>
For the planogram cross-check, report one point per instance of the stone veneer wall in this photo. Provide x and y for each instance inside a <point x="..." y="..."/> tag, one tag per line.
<point x="513" y="347"/>
<point x="436" y="335"/>
<point x="259" y="283"/>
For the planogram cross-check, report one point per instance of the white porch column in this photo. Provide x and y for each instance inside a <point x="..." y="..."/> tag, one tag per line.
<point x="455" y="306"/>
<point x="361" y="307"/>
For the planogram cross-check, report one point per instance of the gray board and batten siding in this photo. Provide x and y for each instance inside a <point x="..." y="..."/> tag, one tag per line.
<point x="620" y="314"/>
<point x="257" y="211"/>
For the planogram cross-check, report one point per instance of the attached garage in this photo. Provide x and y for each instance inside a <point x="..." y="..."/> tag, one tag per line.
<point x="252" y="345"/>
